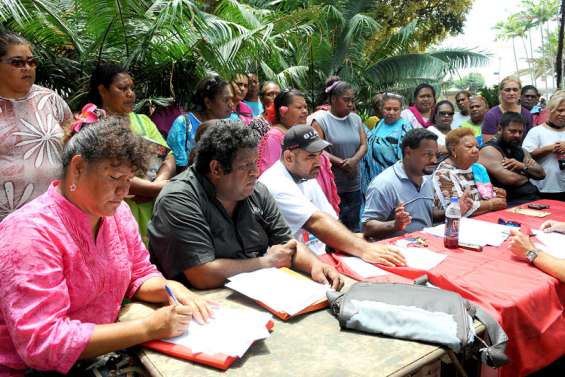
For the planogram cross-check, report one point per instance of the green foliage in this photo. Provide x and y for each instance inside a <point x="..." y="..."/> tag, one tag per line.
<point x="170" y="44"/>
<point x="490" y="94"/>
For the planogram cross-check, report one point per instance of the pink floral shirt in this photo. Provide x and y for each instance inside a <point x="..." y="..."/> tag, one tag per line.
<point x="30" y="146"/>
<point x="57" y="282"/>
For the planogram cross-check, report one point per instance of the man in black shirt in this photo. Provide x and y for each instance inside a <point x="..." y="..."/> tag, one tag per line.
<point x="215" y="220"/>
<point x="508" y="164"/>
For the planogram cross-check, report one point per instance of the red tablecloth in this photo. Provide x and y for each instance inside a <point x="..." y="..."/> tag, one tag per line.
<point x="527" y="302"/>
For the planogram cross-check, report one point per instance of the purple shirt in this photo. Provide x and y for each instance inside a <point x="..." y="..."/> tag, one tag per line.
<point x="58" y="282"/>
<point x="493" y="116"/>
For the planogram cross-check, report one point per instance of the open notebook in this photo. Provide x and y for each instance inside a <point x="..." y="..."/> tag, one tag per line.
<point x="221" y="341"/>
<point x="283" y="292"/>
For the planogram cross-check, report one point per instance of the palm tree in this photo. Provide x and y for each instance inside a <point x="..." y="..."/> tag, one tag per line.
<point x="505" y="32"/>
<point x="168" y="45"/>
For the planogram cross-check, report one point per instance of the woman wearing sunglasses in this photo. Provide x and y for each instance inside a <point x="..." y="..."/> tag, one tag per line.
<point x="509" y="97"/>
<point x="30" y="127"/>
<point x="442" y="117"/>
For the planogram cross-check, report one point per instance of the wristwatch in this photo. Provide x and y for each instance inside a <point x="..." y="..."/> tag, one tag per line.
<point x="532" y="255"/>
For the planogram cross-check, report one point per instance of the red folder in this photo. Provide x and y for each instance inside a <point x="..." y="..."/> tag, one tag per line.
<point x="218" y="361"/>
<point x="318" y="305"/>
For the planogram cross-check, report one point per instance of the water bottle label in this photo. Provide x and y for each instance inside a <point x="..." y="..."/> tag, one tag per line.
<point x="452" y="227"/>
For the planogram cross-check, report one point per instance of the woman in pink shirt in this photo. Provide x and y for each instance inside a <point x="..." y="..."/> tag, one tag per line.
<point x="69" y="258"/>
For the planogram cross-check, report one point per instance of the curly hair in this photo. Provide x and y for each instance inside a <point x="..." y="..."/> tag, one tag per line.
<point x="221" y="142"/>
<point x="453" y="138"/>
<point x="109" y="139"/>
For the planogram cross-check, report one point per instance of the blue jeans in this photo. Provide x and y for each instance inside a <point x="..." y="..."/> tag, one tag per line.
<point x="350" y="209"/>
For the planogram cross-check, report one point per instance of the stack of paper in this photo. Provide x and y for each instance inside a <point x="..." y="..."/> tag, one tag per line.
<point x="418" y="257"/>
<point x="231" y="332"/>
<point x="476" y="232"/>
<point x="279" y="290"/>
<point x="553" y="243"/>
<point x="362" y="268"/>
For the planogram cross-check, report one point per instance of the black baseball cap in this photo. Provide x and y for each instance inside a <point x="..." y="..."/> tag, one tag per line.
<point x="304" y="137"/>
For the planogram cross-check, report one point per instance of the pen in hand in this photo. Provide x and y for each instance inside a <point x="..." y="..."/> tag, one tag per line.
<point x="171" y="294"/>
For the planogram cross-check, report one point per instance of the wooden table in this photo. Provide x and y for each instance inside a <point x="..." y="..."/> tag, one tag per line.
<point x="310" y="345"/>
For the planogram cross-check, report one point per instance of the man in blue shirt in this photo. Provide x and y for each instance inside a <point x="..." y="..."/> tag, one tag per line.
<point x="400" y="199"/>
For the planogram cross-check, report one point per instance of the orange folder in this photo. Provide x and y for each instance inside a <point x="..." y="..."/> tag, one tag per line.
<point x="218" y="361"/>
<point x="318" y="305"/>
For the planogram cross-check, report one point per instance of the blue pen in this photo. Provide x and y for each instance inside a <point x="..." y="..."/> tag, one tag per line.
<point x="170" y="292"/>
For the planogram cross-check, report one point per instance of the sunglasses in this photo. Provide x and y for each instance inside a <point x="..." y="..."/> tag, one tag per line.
<point x="21" y="63"/>
<point x="445" y="113"/>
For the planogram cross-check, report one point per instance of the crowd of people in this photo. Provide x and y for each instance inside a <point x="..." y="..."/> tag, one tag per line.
<point x="102" y="205"/>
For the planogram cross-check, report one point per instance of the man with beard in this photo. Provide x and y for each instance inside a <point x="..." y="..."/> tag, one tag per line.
<point x="509" y="165"/>
<point x="214" y="220"/>
<point x="400" y="199"/>
<point x="292" y="182"/>
<point x="478" y="108"/>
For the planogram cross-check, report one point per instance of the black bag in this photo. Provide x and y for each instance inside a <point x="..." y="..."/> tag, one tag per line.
<point x="421" y="313"/>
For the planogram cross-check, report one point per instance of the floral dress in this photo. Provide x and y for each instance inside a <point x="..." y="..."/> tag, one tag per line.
<point x="30" y="146"/>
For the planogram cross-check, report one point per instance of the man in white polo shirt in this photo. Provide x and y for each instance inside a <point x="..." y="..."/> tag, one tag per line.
<point x="291" y="181"/>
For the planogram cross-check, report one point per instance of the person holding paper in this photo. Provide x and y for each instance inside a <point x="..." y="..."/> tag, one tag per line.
<point x="71" y="256"/>
<point x="400" y="199"/>
<point x="291" y="181"/>
<point x="215" y="220"/>
<point x="521" y="245"/>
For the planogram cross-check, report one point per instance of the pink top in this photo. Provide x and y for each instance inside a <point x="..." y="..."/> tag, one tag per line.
<point x="30" y="146"/>
<point x="270" y="148"/>
<point x="57" y="282"/>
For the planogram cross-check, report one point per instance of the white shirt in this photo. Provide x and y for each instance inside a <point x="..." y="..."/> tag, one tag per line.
<point x="296" y="201"/>
<point x="458" y="119"/>
<point x="538" y="137"/>
<point x="440" y="135"/>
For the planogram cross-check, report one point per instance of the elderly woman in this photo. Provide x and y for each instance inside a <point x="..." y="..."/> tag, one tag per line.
<point x="73" y="254"/>
<point x="344" y="129"/>
<point x="30" y="127"/>
<point x="111" y="88"/>
<point x="420" y="114"/>
<point x="212" y="100"/>
<point x="509" y="97"/>
<point x="546" y="144"/>
<point x="383" y="141"/>
<point x="460" y="175"/>
<point x="290" y="110"/>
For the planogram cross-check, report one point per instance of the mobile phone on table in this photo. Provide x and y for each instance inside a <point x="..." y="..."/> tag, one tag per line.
<point x="537" y="206"/>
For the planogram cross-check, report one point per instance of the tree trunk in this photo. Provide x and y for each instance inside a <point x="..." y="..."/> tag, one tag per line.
<point x="543" y="56"/>
<point x="515" y="57"/>
<point x="559" y="59"/>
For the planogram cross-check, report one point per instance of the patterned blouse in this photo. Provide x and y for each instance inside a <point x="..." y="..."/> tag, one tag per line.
<point x="450" y="181"/>
<point x="30" y="146"/>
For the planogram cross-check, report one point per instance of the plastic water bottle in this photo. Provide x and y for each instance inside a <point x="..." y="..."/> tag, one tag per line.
<point x="452" y="218"/>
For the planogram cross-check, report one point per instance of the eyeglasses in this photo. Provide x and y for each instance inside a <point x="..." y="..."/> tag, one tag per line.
<point x="21" y="63"/>
<point x="445" y="113"/>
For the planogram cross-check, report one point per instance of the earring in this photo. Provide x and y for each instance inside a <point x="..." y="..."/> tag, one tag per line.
<point x="73" y="187"/>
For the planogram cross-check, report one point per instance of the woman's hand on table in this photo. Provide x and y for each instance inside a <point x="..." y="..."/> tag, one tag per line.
<point x="553" y="226"/>
<point x="520" y="243"/>
<point x="201" y="308"/>
<point x="168" y="321"/>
